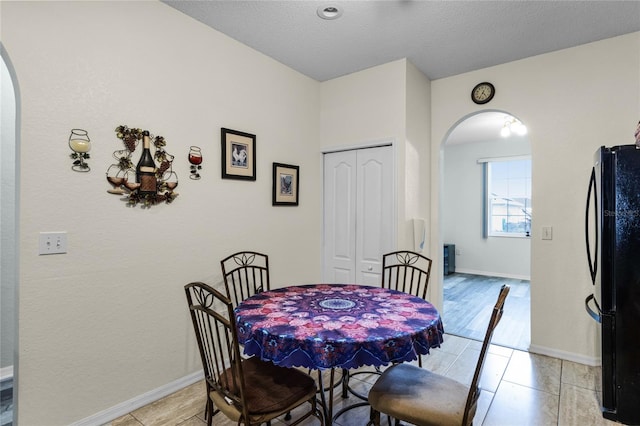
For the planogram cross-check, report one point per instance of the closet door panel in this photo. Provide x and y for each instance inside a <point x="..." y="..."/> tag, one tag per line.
<point x="339" y="217"/>
<point x="374" y="212"/>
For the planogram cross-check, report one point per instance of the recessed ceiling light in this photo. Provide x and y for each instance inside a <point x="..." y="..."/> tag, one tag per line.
<point x="329" y="11"/>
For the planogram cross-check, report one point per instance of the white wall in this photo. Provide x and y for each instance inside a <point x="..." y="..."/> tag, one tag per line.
<point x="573" y="101"/>
<point x="389" y="102"/>
<point x="463" y="206"/>
<point x="108" y="321"/>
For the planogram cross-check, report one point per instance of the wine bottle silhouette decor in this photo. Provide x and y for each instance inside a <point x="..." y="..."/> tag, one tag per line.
<point x="146" y="169"/>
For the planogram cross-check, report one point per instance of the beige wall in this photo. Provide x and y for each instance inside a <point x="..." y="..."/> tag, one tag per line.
<point x="107" y="321"/>
<point x="572" y="101"/>
<point x="387" y="103"/>
<point x="416" y="173"/>
<point x="364" y="107"/>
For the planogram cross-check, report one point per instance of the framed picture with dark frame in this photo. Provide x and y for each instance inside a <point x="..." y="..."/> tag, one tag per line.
<point x="238" y="155"/>
<point x="286" y="184"/>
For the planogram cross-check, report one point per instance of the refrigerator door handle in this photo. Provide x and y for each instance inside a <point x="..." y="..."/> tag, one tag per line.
<point x="591" y="312"/>
<point x="593" y="261"/>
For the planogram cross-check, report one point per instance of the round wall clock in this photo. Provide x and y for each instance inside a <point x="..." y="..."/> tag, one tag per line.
<point x="483" y="93"/>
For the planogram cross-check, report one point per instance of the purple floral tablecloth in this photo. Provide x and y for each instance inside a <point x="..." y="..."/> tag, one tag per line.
<point x="324" y="326"/>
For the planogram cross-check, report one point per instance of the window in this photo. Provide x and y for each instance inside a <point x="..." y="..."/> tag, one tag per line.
<point x="508" y="197"/>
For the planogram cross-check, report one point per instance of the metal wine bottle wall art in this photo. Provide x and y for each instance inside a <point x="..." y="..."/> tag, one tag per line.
<point x="149" y="179"/>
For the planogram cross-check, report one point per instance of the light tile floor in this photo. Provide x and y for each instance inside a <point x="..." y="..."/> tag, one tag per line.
<point x="518" y="388"/>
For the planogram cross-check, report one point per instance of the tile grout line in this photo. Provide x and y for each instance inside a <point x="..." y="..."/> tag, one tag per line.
<point x="498" y="387"/>
<point x="559" y="392"/>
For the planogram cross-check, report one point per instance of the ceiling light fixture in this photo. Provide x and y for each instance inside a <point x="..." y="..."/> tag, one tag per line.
<point x="329" y="12"/>
<point x="512" y="125"/>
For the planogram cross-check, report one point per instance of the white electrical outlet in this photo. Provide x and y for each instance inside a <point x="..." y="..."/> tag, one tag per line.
<point x="52" y="243"/>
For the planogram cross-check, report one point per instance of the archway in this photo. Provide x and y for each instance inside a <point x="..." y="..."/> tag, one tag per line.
<point x="8" y="238"/>
<point x="486" y="221"/>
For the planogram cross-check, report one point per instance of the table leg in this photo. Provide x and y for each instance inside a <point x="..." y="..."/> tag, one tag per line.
<point x="346" y="389"/>
<point x="345" y="383"/>
<point x="327" y="407"/>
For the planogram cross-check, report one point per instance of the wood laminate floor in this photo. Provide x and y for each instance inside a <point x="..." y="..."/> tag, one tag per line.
<point x="469" y="299"/>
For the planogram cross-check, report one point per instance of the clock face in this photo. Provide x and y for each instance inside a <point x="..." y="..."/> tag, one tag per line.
<point x="482" y="93"/>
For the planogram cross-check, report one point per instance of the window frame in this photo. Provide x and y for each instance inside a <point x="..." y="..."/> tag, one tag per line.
<point x="487" y="196"/>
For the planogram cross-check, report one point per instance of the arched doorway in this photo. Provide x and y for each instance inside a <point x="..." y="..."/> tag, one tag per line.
<point x="486" y="224"/>
<point x="8" y="239"/>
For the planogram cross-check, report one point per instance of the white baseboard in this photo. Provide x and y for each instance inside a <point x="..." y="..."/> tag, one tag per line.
<point x="126" y="407"/>
<point x="492" y="274"/>
<point x="569" y="356"/>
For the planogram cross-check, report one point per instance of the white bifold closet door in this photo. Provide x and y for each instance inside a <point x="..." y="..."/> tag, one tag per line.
<point x="358" y="214"/>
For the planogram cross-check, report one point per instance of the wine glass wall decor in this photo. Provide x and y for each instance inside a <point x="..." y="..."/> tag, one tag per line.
<point x="80" y="144"/>
<point x="151" y="180"/>
<point x="195" y="158"/>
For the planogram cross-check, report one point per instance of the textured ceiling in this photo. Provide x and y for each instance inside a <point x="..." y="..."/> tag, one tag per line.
<point x="441" y="38"/>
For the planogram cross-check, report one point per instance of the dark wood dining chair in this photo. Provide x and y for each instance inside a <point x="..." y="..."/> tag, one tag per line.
<point x="245" y="273"/>
<point x="247" y="390"/>
<point x="405" y="271"/>
<point x="415" y="395"/>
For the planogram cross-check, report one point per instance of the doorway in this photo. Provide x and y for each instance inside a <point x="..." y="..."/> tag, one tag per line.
<point x="486" y="223"/>
<point x="358" y="208"/>
<point x="8" y="240"/>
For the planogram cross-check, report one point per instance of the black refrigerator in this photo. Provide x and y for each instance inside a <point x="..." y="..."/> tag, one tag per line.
<point x="613" y="251"/>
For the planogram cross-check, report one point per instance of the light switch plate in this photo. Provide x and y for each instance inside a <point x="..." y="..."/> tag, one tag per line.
<point x="547" y="233"/>
<point x="52" y="243"/>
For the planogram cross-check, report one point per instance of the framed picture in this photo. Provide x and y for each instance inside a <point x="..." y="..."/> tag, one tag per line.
<point x="238" y="155"/>
<point x="286" y="184"/>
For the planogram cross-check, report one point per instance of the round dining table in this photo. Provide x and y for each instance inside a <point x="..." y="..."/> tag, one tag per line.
<point x="329" y="326"/>
<point x="322" y="326"/>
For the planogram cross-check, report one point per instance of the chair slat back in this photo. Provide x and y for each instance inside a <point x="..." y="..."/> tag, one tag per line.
<point x="406" y="271"/>
<point x="245" y="274"/>
<point x="214" y="325"/>
<point x="496" y="315"/>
